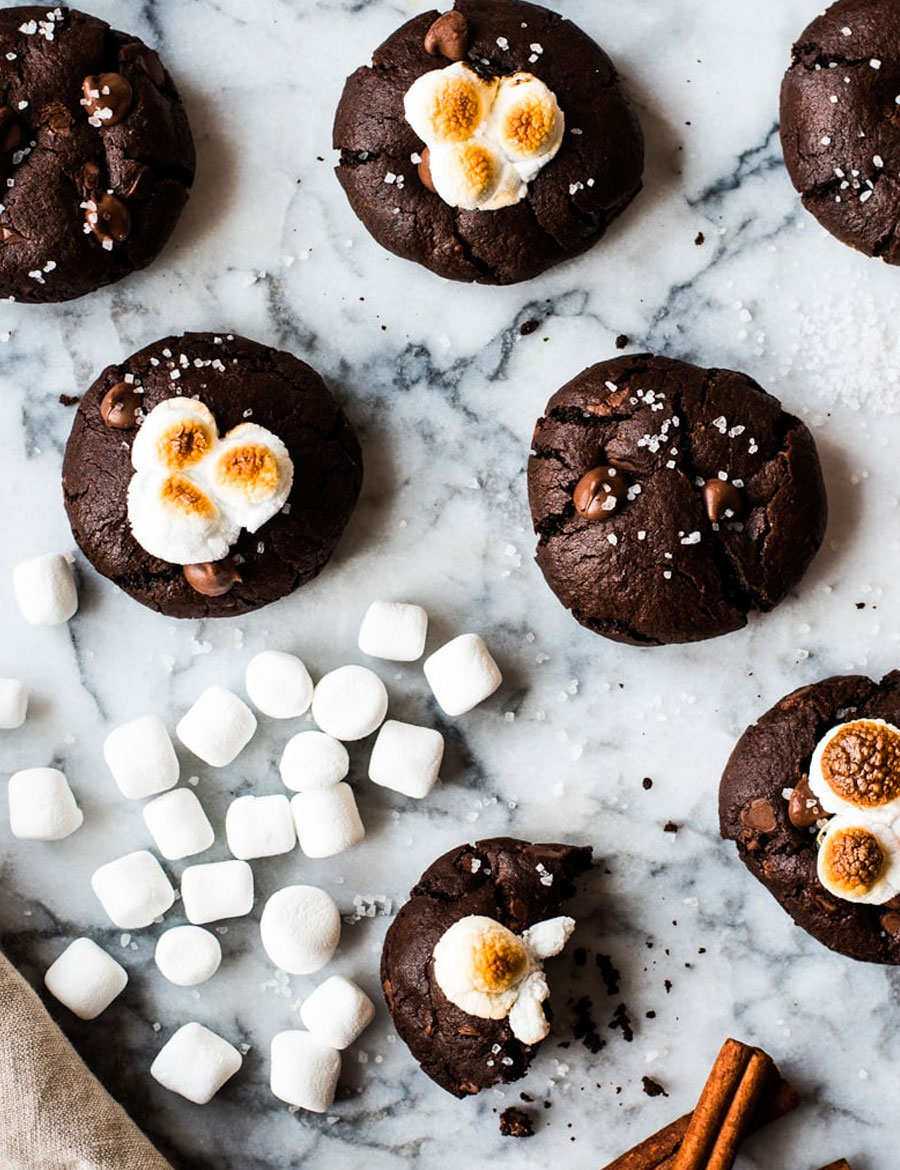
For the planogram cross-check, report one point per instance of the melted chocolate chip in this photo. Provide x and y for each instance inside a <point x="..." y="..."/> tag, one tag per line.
<point x="107" y="97"/>
<point x="723" y="501"/>
<point x="119" y="406"/>
<point x="760" y="816"/>
<point x="10" y="130"/>
<point x="448" y="37"/>
<point x="212" y="578"/>
<point x="109" y="219"/>
<point x="804" y="810"/>
<point x="598" y="493"/>
<point x="424" y="169"/>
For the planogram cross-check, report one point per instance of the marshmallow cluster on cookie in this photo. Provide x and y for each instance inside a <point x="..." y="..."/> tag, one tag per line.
<point x="193" y="491"/>
<point x="486" y="139"/>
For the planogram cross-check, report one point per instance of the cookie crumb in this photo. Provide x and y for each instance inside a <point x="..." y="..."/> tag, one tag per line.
<point x="670" y="827"/>
<point x="528" y="327"/>
<point x="69" y="399"/>
<point x="653" y="1088"/>
<point x="700" y="239"/>
<point x="516" y="1123"/>
<point x="622" y="341"/>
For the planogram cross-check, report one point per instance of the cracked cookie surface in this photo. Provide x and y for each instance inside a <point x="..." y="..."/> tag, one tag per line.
<point x="569" y="205"/>
<point x="840" y="123"/>
<point x="240" y="381"/>
<point x="514" y="882"/>
<point x="772" y="758"/>
<point x="686" y="444"/>
<point x="93" y="191"/>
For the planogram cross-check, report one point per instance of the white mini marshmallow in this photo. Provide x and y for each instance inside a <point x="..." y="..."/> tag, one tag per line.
<point x="304" y="1071"/>
<point x="406" y="758"/>
<point x="45" y="590"/>
<point x="313" y="759"/>
<point x="300" y="929"/>
<point x="327" y="820"/>
<point x="85" y="979"/>
<point x="462" y="674"/>
<point x="279" y="684"/>
<point x="195" y="1063"/>
<point x="188" y="955"/>
<point x="337" y="1012"/>
<point x="260" y="826"/>
<point x="41" y="805"/>
<point x="350" y="702"/>
<point x="141" y="757"/>
<point x="218" y="727"/>
<point x="13" y="704"/>
<point x="178" y="824"/>
<point x="217" y="889"/>
<point x="133" y="890"/>
<point x="394" y="630"/>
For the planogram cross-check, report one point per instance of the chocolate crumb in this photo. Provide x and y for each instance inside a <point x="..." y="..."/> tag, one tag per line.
<point x="647" y="783"/>
<point x="700" y="240"/>
<point x="584" y="1028"/>
<point x="622" y="341"/>
<point x="528" y="327"/>
<point x="653" y="1088"/>
<point x="651" y="1015"/>
<point x="622" y="1020"/>
<point x="526" y="1097"/>
<point x="670" y="827"/>
<point x="69" y="399"/>
<point x="516" y="1123"/>
<point x="608" y="974"/>
<point x="579" y="956"/>
<point x="860" y="605"/>
<point x="668" y="985"/>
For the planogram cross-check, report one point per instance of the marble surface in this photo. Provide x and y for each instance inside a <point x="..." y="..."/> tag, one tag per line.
<point x="444" y="391"/>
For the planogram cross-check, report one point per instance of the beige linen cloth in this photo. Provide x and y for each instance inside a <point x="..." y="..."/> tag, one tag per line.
<point x="54" y="1114"/>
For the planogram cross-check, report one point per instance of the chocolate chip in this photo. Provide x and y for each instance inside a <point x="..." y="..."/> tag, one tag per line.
<point x="599" y="492"/>
<point x="804" y="809"/>
<point x="10" y="130"/>
<point x="8" y="236"/>
<point x="424" y="169"/>
<point x="760" y="816"/>
<point x="119" y="406"/>
<point x="891" y="922"/>
<point x="150" y="63"/>
<point x="212" y="578"/>
<point x="723" y="501"/>
<point x="107" y="97"/>
<point x="448" y="37"/>
<point x="89" y="180"/>
<point x="109" y="219"/>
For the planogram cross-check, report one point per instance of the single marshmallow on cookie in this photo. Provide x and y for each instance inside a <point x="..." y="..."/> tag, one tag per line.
<point x="278" y="684"/>
<point x="174" y="518"/>
<point x="448" y="105"/>
<point x="176" y="436"/>
<point x="218" y="727"/>
<point x="13" y="704"/>
<point x="133" y="890"/>
<point x="41" y="805"/>
<point x="462" y="674"/>
<point x="195" y="1063"/>
<point x="260" y="826"/>
<point x="178" y="825"/>
<point x="337" y="1012"/>
<point x="251" y="475"/>
<point x="350" y="702"/>
<point x="45" y="590"/>
<point x="327" y="820"/>
<point x="394" y="630"/>
<point x="141" y="757"/>
<point x="406" y="758"/>
<point x="187" y="955"/>
<point x="855" y="769"/>
<point x="215" y="890"/>
<point x="859" y="861"/>
<point x="304" y="1071"/>
<point x="527" y="123"/>
<point x="85" y="979"/>
<point x="312" y="759"/>
<point x="474" y="176"/>
<point x="300" y="929"/>
<point x="488" y="971"/>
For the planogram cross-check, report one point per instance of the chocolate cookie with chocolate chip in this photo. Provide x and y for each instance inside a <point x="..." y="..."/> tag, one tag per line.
<point x="840" y="123"/>
<point x="670" y="501"/>
<point x="473" y="932"/>
<point x="210" y="475"/>
<point x="95" y="149"/>
<point x="810" y="796"/>
<point x="488" y="143"/>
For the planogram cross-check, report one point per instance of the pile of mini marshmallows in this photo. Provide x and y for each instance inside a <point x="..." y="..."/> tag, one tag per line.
<point x="300" y="925"/>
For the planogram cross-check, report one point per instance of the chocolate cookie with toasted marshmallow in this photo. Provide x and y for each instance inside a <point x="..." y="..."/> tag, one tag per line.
<point x="488" y="142"/>
<point x="811" y="797"/>
<point x="208" y="475"/>
<point x="463" y="962"/>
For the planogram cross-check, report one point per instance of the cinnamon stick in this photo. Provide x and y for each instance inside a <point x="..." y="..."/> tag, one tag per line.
<point x="719" y="1094"/>
<point x="731" y="1132"/>
<point x="840" y="1164"/>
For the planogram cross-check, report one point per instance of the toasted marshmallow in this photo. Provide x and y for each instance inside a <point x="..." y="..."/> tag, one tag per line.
<point x="488" y="971"/>
<point x="175" y="436"/>
<point x="173" y="518"/>
<point x="859" y="861"/>
<point x="856" y="769"/>
<point x="526" y="123"/>
<point x="251" y="475"/>
<point x="474" y="176"/>
<point x="448" y="105"/>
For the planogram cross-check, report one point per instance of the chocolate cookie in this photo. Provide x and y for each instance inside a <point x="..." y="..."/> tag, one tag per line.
<point x="96" y="151"/>
<point x="528" y="119"/>
<point x="209" y="475"/>
<point x="517" y="885"/>
<point x="670" y="501"/>
<point x="767" y="808"/>
<point x="840" y="123"/>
